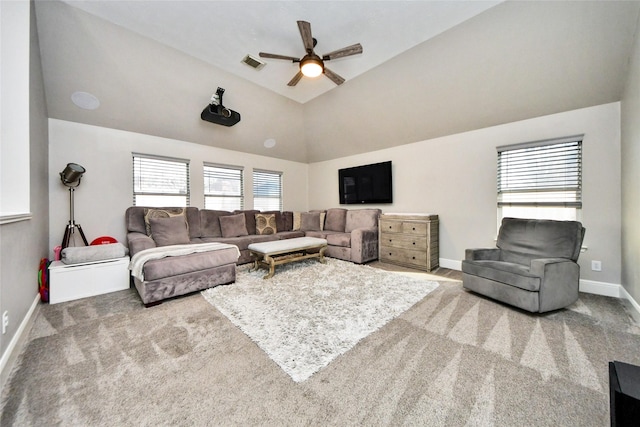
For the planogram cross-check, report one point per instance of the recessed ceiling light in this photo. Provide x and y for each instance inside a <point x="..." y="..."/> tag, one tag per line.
<point x="270" y="143"/>
<point x="85" y="100"/>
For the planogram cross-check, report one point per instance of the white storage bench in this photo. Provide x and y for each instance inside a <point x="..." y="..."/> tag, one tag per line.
<point x="69" y="282"/>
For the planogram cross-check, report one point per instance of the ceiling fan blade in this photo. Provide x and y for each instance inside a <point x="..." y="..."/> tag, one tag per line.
<point x="354" y="49"/>
<point x="333" y="76"/>
<point x="276" y="56"/>
<point x="305" y="33"/>
<point x="294" y="81"/>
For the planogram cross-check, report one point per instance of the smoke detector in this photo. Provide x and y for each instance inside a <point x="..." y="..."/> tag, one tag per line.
<point x="253" y="62"/>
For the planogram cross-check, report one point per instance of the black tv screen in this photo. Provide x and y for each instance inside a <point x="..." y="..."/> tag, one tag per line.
<point x="366" y="184"/>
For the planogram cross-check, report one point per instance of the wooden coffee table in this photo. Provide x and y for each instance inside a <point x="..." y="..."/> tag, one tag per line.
<point x="278" y="252"/>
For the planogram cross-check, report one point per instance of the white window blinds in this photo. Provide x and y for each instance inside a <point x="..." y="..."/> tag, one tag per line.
<point x="160" y="181"/>
<point x="267" y="190"/>
<point x="541" y="174"/>
<point x="223" y="187"/>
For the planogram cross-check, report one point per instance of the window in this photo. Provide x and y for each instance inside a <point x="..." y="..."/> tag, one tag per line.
<point x="541" y="180"/>
<point x="267" y="190"/>
<point x="223" y="187"/>
<point x="160" y="181"/>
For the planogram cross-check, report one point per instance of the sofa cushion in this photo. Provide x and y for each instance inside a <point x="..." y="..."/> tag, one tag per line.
<point x="310" y="221"/>
<point x="233" y="225"/>
<point x="361" y="218"/>
<point x="336" y="219"/>
<point x="210" y="222"/>
<point x="161" y="213"/>
<point x="504" y="272"/>
<point x="524" y="239"/>
<point x="339" y="239"/>
<point x="287" y="221"/>
<point x="134" y="218"/>
<point x="169" y="231"/>
<point x="266" y="223"/>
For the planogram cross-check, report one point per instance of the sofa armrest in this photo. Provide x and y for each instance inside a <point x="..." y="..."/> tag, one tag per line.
<point x="482" y="254"/>
<point x="138" y="242"/>
<point x="364" y="244"/>
<point x="559" y="282"/>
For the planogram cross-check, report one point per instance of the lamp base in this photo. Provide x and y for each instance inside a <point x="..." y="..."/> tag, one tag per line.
<point x="69" y="231"/>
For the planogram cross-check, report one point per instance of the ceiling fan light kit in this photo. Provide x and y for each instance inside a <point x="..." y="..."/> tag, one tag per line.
<point x="312" y="65"/>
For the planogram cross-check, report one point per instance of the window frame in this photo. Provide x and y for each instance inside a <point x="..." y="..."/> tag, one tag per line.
<point x="542" y="175"/>
<point x="212" y="197"/>
<point x="139" y="158"/>
<point x="257" y="195"/>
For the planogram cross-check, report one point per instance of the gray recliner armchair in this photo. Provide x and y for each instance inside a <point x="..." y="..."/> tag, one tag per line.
<point x="534" y="266"/>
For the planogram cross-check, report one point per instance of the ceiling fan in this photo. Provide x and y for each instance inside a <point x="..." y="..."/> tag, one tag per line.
<point x="312" y="65"/>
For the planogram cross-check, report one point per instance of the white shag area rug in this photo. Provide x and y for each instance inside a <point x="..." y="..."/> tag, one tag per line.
<point x="310" y="313"/>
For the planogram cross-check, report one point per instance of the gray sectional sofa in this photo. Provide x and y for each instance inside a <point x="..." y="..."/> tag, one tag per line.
<point x="352" y="235"/>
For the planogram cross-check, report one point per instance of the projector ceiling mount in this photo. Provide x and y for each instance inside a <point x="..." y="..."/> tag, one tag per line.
<point x="312" y="65"/>
<point x="217" y="113"/>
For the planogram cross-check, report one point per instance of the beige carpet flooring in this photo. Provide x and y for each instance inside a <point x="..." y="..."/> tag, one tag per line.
<point x="453" y="359"/>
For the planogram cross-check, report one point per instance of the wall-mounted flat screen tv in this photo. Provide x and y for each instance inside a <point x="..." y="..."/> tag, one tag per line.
<point x="366" y="184"/>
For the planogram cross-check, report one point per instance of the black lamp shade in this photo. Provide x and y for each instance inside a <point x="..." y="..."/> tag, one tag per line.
<point x="72" y="173"/>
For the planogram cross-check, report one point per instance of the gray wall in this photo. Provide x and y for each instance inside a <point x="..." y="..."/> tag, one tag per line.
<point x="631" y="177"/>
<point x="23" y="243"/>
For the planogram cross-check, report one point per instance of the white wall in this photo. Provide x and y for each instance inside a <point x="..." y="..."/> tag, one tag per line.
<point x="455" y="177"/>
<point x="106" y="189"/>
<point x="631" y="176"/>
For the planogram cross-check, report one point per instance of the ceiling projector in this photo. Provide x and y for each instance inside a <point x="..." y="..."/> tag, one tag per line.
<point x="216" y="113"/>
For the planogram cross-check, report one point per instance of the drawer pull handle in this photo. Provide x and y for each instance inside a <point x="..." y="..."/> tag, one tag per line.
<point x="413" y="257"/>
<point x="414" y="229"/>
<point x="414" y="243"/>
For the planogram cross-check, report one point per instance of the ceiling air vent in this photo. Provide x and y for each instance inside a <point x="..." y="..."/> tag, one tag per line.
<point x="253" y="62"/>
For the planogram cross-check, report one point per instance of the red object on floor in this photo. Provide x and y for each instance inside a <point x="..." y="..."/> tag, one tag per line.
<point x="103" y="240"/>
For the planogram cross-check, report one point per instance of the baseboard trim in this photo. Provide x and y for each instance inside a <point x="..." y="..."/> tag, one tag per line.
<point x="452" y="264"/>
<point x="588" y="286"/>
<point x="600" y="288"/>
<point x="15" y="346"/>
<point x="632" y="304"/>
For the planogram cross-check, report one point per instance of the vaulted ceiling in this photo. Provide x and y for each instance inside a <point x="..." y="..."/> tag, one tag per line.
<point x="428" y="68"/>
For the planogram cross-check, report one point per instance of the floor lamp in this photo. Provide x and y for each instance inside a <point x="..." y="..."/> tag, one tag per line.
<point x="70" y="177"/>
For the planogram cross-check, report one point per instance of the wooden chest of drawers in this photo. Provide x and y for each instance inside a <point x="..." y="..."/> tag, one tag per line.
<point x="410" y="240"/>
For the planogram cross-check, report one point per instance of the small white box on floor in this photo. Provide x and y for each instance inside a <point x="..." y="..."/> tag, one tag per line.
<point x="68" y="282"/>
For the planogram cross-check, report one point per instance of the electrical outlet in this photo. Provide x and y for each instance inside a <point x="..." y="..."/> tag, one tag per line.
<point x="5" y="321"/>
<point x="596" y="265"/>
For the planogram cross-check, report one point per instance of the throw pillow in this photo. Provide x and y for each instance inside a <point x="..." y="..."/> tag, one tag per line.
<point x="310" y="221"/>
<point x="169" y="231"/>
<point x="161" y="213"/>
<point x="296" y="221"/>
<point x="266" y="223"/>
<point x="249" y="219"/>
<point x="233" y="225"/>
